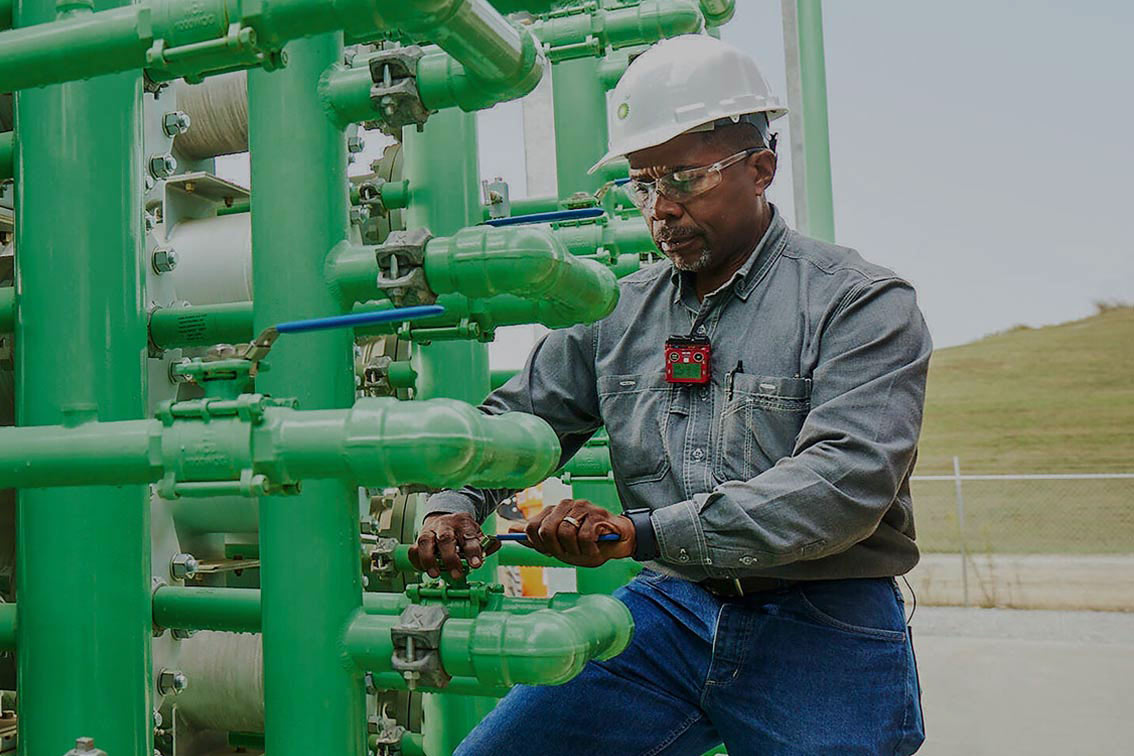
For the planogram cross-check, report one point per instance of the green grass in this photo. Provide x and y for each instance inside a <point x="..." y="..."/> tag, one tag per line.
<point x="1058" y="399"/>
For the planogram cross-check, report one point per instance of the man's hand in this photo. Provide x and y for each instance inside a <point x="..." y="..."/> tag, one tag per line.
<point x="554" y="532"/>
<point x="444" y="539"/>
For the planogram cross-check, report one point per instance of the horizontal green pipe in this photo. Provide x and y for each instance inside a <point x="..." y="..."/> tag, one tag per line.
<point x="442" y="82"/>
<point x="718" y="12"/>
<point x="499" y="376"/>
<point x="591" y="461"/>
<point x="499" y="649"/>
<point x="526" y="261"/>
<point x="377" y="442"/>
<point x="641" y="24"/>
<point x="234" y="610"/>
<point x="235" y="208"/>
<point x="7" y="627"/>
<point x="204" y="325"/>
<point x="346" y="89"/>
<point x="7" y="155"/>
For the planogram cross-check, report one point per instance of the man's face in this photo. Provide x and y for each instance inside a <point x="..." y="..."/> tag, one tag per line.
<point x="704" y="233"/>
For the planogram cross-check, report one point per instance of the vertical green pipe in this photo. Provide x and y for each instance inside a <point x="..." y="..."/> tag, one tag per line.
<point x="580" y="124"/>
<point x="816" y="136"/>
<point x="313" y="698"/>
<point x="441" y="164"/>
<point x="83" y="569"/>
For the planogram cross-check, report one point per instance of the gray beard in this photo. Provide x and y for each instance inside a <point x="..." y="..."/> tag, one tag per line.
<point x="696" y="266"/>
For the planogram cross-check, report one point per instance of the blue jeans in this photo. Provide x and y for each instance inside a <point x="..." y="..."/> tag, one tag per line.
<point x="817" y="668"/>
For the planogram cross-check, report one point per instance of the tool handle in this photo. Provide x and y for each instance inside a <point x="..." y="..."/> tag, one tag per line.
<point x="523" y="537"/>
<point x="396" y="314"/>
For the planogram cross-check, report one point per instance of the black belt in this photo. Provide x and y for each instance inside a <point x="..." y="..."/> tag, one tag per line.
<point x="741" y="587"/>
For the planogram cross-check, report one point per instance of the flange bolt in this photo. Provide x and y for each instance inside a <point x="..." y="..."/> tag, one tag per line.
<point x="162" y="166"/>
<point x="355" y="144"/>
<point x="85" y="746"/>
<point x="163" y="260"/>
<point x="170" y="682"/>
<point x="175" y="123"/>
<point x="183" y="567"/>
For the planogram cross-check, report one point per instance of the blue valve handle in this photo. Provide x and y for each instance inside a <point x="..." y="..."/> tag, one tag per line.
<point x="523" y="537"/>
<point x="397" y="314"/>
<point x="551" y="217"/>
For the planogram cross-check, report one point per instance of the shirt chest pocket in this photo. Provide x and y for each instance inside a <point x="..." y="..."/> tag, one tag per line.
<point x="635" y="410"/>
<point x="759" y="424"/>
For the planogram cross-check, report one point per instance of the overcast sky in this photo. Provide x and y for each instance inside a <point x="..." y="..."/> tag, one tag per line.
<point x="981" y="149"/>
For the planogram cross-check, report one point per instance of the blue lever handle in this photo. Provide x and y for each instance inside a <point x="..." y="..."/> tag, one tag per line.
<point x="523" y="537"/>
<point x="556" y="215"/>
<point x="361" y="318"/>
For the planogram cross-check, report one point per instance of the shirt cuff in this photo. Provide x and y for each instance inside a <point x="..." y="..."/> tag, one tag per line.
<point x="681" y="539"/>
<point x="449" y="502"/>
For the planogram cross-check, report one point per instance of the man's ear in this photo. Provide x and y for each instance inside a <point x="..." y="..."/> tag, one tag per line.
<point x="763" y="165"/>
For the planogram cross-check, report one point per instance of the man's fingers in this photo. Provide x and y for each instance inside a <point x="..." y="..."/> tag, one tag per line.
<point x="474" y="552"/>
<point x="447" y="548"/>
<point x="426" y="550"/>
<point x="532" y="529"/>
<point x="549" y="529"/>
<point x="588" y="538"/>
<point x="570" y="537"/>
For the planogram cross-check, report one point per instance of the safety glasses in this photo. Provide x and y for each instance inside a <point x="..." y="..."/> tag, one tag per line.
<point x="682" y="186"/>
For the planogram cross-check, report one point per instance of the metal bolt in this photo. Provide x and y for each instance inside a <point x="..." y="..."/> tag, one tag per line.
<point x="163" y="260"/>
<point x="359" y="214"/>
<point x="157" y="718"/>
<point x="84" y="744"/>
<point x="175" y="123"/>
<point x="162" y="166"/>
<point x="183" y="566"/>
<point x="148" y="180"/>
<point x="170" y="682"/>
<point x="355" y="144"/>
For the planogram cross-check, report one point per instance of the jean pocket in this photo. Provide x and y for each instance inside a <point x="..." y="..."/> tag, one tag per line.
<point x="864" y="607"/>
<point x="760" y="424"/>
<point x="635" y="411"/>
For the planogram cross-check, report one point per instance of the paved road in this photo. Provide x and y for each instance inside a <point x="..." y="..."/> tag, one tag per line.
<point x="1001" y="682"/>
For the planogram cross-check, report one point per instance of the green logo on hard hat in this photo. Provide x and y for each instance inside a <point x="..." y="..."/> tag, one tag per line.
<point x="623" y="111"/>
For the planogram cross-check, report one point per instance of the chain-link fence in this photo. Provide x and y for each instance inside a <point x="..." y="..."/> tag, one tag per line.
<point x="1034" y="541"/>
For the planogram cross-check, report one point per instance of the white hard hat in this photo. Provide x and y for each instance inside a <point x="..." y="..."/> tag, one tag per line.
<point x="679" y="85"/>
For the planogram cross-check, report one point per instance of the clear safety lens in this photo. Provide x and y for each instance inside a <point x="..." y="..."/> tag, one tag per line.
<point x="682" y="186"/>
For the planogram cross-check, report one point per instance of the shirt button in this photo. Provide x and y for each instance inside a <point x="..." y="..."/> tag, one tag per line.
<point x="747" y="560"/>
<point x="701" y="330"/>
<point x="698" y="453"/>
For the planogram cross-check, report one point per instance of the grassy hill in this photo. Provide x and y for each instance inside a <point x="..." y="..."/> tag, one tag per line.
<point x="1035" y="400"/>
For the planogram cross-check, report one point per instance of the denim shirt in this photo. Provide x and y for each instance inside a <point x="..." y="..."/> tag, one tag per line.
<point x="802" y="470"/>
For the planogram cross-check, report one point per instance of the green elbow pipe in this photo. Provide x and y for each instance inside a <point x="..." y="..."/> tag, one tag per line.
<point x="7" y="627"/>
<point x="499" y="649"/>
<point x="442" y="82"/>
<point x="525" y="261"/>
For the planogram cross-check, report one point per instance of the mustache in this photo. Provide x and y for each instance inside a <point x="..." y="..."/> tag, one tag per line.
<point x="670" y="234"/>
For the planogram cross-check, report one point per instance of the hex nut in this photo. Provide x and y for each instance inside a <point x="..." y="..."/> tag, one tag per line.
<point x="162" y="166"/>
<point x="183" y="566"/>
<point x="175" y="123"/>
<point x="163" y="260"/>
<point x="170" y="682"/>
<point x="355" y="144"/>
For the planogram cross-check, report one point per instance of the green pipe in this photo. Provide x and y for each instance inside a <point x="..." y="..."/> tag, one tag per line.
<point x="499" y="376"/>
<point x="204" y="325"/>
<point x="816" y="135"/>
<point x="377" y="442"/>
<point x="7" y="309"/>
<point x="580" y="124"/>
<point x="235" y="610"/>
<point x="7" y="155"/>
<point x="592" y="461"/>
<point x="490" y="48"/>
<point x="299" y="214"/>
<point x="586" y="34"/>
<point x="499" y="649"/>
<point x="718" y="12"/>
<point x="7" y="627"/>
<point x="80" y="344"/>
<point x="526" y="261"/>
<point x="442" y="82"/>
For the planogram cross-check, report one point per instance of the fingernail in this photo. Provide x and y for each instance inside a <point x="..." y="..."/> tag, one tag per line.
<point x="434" y="573"/>
<point x="475" y="561"/>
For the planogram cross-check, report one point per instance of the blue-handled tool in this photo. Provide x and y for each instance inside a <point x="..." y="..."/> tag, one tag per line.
<point x="548" y="217"/>
<point x="396" y="314"/>
<point x="523" y="537"/>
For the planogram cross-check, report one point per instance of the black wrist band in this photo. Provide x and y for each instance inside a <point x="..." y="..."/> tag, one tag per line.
<point x="645" y="540"/>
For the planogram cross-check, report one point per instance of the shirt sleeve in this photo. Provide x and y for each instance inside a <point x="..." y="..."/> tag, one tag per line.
<point x="557" y="385"/>
<point x="855" y="448"/>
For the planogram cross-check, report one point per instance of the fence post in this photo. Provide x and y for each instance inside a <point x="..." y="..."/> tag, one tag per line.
<point x="961" y="529"/>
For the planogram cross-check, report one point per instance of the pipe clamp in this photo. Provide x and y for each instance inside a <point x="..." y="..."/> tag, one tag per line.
<point x="417" y="646"/>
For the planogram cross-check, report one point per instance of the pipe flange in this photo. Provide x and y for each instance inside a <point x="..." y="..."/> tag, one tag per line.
<point x="417" y="646"/>
<point x="394" y="94"/>
<point x="401" y="267"/>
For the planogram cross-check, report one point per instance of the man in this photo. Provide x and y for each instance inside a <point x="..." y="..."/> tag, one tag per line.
<point x="771" y="503"/>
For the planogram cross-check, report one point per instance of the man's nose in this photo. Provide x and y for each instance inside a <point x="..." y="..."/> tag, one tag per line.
<point x="664" y="209"/>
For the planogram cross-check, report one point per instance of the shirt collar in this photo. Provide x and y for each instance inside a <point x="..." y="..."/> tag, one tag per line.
<point x="755" y="267"/>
